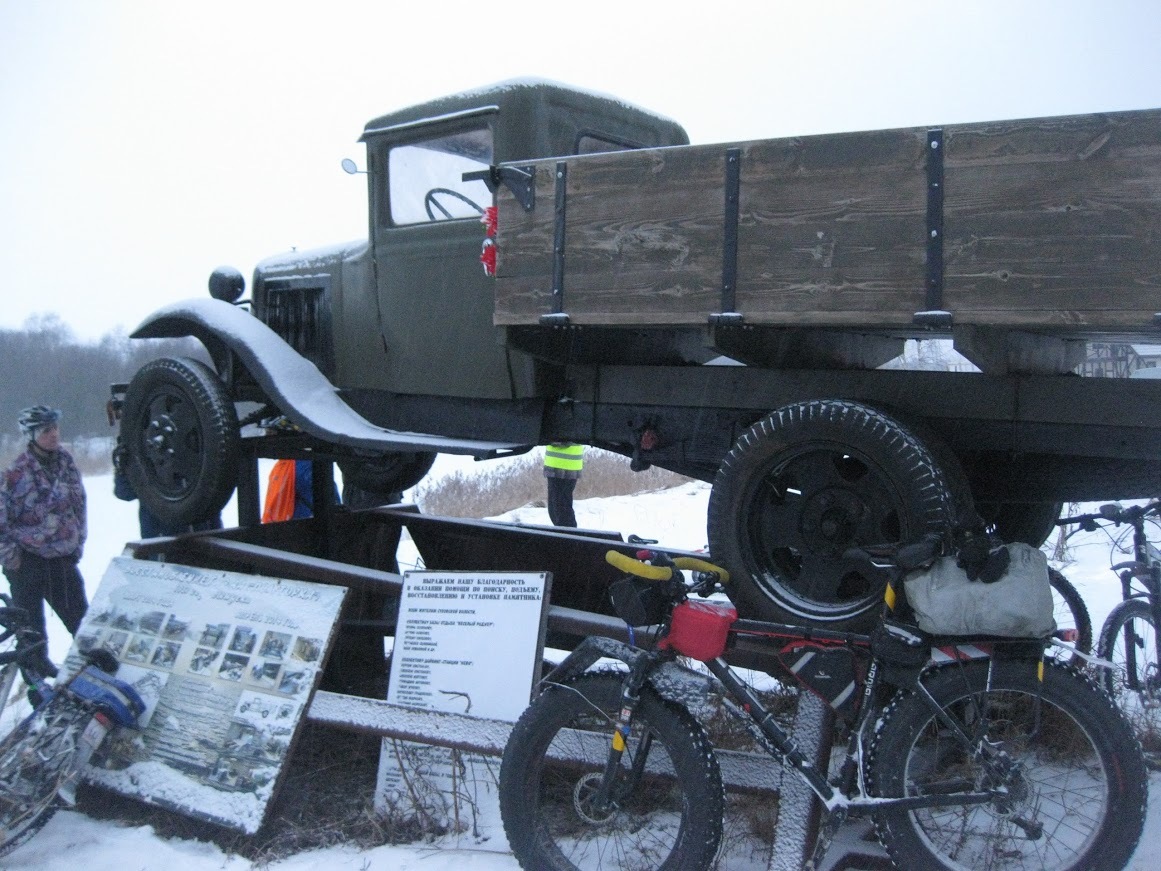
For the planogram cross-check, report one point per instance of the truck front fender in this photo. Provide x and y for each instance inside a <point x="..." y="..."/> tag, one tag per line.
<point x="300" y="390"/>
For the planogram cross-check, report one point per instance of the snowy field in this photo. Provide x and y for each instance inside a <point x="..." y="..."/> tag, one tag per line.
<point x="675" y="517"/>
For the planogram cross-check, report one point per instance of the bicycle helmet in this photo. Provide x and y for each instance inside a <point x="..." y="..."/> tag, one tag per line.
<point x="36" y="418"/>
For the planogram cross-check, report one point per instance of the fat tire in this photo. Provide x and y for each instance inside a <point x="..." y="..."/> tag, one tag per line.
<point x="771" y="525"/>
<point x="180" y="429"/>
<point x="33" y="759"/>
<point x="673" y="728"/>
<point x="1078" y="611"/>
<point x="1146" y="719"/>
<point x="1072" y="714"/>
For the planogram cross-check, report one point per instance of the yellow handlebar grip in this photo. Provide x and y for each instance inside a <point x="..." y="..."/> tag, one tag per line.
<point x="699" y="565"/>
<point x="638" y="568"/>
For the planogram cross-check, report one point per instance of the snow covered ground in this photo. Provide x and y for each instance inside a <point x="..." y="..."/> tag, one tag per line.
<point x="675" y="517"/>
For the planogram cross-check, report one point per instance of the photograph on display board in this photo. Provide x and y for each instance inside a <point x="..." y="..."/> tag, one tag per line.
<point x="226" y="663"/>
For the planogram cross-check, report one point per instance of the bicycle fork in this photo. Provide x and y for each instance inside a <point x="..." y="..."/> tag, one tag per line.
<point x="606" y="797"/>
<point x="1152" y="679"/>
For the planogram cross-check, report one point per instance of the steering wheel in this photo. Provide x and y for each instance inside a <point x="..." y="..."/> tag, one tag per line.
<point x="430" y="202"/>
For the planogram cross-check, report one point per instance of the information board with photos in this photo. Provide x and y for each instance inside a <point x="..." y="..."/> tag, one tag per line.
<point x="226" y="663"/>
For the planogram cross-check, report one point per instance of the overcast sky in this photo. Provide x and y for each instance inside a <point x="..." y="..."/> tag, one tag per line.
<point x="145" y="143"/>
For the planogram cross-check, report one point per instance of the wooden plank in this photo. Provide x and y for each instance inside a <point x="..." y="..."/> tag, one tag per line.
<point x="1055" y="220"/>
<point x="651" y="248"/>
<point x="748" y="772"/>
<point x="833" y="225"/>
<point x="1049" y="223"/>
<point x="821" y="223"/>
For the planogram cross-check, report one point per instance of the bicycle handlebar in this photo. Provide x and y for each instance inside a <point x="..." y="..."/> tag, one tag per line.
<point x="24" y="654"/>
<point x="12" y="620"/>
<point x="641" y="569"/>
<point x="1111" y="513"/>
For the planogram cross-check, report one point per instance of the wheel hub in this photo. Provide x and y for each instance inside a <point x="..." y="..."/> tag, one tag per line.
<point x="583" y="800"/>
<point x="1151" y="698"/>
<point x="159" y="437"/>
<point x="829" y="521"/>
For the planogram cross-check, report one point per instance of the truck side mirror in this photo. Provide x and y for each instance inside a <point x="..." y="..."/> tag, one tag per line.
<point x="350" y="167"/>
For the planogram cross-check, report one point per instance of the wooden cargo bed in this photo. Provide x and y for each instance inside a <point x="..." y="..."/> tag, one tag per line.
<point x="1049" y="225"/>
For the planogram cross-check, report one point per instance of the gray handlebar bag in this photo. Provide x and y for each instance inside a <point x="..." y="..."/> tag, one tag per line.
<point x="1018" y="605"/>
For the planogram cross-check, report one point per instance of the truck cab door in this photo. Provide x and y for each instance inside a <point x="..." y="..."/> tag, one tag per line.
<point x="434" y="301"/>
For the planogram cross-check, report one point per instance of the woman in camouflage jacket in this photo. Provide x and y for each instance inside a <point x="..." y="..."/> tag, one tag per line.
<point x="43" y="524"/>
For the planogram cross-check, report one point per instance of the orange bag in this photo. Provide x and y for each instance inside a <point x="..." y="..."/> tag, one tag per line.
<point x="279" y="503"/>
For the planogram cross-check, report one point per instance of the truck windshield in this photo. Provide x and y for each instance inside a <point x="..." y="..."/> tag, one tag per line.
<point x="426" y="178"/>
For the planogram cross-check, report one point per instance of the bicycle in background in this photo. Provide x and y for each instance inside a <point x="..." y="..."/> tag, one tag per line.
<point x="1129" y="638"/>
<point x="42" y="757"/>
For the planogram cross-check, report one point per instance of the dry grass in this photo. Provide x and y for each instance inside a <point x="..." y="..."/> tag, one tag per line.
<point x="478" y="494"/>
<point x="486" y="494"/>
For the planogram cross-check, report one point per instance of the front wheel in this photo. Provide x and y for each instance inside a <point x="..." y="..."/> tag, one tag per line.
<point x="666" y="796"/>
<point x="1129" y="640"/>
<point x="35" y="759"/>
<point x="180" y="430"/>
<point x="1068" y="779"/>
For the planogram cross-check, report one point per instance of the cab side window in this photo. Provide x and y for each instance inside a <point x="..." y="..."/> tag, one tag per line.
<point x="425" y="177"/>
<point x="591" y="142"/>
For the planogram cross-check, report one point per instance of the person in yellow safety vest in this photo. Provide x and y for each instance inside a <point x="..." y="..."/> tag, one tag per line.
<point x="563" y="463"/>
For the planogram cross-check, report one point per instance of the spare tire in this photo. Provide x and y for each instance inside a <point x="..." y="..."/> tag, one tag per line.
<point x="180" y="432"/>
<point x="801" y="487"/>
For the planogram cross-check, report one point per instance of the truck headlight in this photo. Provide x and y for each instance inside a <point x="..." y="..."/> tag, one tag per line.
<point x="227" y="284"/>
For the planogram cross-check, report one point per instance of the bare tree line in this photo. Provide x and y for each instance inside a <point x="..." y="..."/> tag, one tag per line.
<point x="44" y="363"/>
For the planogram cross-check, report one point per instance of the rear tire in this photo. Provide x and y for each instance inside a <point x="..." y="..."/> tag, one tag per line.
<point x="1075" y="801"/>
<point x="180" y="431"/>
<point x="1029" y="522"/>
<point x="388" y="474"/>
<point x="553" y="764"/>
<point x="1070" y="612"/>
<point x="802" y="486"/>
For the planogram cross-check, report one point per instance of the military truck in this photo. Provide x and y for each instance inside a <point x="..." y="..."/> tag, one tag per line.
<point x="724" y="311"/>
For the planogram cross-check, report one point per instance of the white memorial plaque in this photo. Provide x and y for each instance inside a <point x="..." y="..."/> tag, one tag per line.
<point x="468" y="643"/>
<point x="226" y="663"/>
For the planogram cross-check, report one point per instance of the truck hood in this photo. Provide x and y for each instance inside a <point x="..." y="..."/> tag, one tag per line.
<point x="311" y="262"/>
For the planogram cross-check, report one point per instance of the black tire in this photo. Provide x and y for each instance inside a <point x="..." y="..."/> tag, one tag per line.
<point x="387" y="474"/>
<point x="34" y="759"/>
<point x="1029" y="522"/>
<point x="1129" y="640"/>
<point x="670" y="819"/>
<point x="802" y="486"/>
<point x="959" y="488"/>
<point x="1076" y="799"/>
<point x="180" y="431"/>
<point x="1070" y="612"/>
